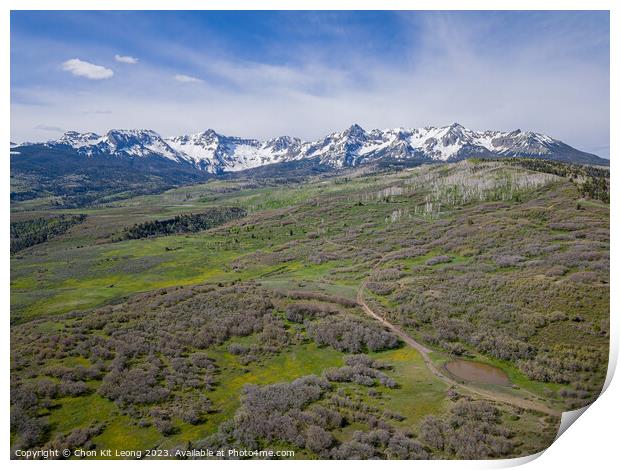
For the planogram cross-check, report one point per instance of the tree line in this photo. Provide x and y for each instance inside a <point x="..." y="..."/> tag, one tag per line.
<point x="591" y="181"/>
<point x="186" y="223"/>
<point x="27" y="233"/>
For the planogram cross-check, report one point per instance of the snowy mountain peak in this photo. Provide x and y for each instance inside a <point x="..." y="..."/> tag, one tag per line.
<point x="127" y="138"/>
<point x="117" y="142"/>
<point x="77" y="135"/>
<point x="216" y="153"/>
<point x="281" y="144"/>
<point x="133" y="133"/>
<point x="355" y="131"/>
<point x="206" y="135"/>
<point x="76" y="139"/>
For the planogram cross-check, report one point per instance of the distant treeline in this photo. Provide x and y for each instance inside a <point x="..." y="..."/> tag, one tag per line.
<point x="592" y="181"/>
<point x="26" y="233"/>
<point x="187" y="223"/>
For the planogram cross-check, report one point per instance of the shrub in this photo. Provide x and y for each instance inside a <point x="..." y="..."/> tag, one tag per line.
<point x="73" y="389"/>
<point x="238" y="349"/>
<point x="380" y="288"/>
<point x="349" y="334"/>
<point x="362" y="370"/>
<point x="273" y="412"/>
<point x="300" y="311"/>
<point x="318" y="439"/>
<point x="404" y="448"/>
<point x="164" y="425"/>
<point x="387" y="274"/>
<point x="354" y="450"/>
<point x="472" y="430"/>
<point x="78" y="438"/>
<point x="438" y="259"/>
<point x="138" y="385"/>
<point x="507" y="261"/>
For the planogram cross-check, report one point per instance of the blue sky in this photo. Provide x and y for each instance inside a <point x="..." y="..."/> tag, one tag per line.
<point x="263" y="74"/>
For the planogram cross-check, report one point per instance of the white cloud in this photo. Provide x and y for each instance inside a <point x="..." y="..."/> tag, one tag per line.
<point x="85" y="69"/>
<point x="186" y="79"/>
<point x="125" y="59"/>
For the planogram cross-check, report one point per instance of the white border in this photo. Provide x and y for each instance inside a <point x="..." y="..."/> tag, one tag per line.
<point x="591" y="442"/>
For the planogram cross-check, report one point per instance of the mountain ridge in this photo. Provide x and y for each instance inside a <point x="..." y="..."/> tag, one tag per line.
<point x="215" y="153"/>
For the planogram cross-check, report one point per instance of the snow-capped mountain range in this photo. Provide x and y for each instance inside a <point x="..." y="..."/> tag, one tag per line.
<point x="215" y="153"/>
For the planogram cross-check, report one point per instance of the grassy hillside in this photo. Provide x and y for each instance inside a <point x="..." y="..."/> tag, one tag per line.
<point x="150" y="342"/>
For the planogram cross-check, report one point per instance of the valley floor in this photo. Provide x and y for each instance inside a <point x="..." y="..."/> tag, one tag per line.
<point x="318" y="319"/>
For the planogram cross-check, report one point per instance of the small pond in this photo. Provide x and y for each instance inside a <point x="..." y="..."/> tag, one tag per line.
<point x="477" y="372"/>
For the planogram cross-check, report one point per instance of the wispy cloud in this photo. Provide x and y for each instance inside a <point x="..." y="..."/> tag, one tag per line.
<point x="44" y="127"/>
<point x="81" y="68"/>
<point x="186" y="79"/>
<point x="98" y="111"/>
<point x="125" y="59"/>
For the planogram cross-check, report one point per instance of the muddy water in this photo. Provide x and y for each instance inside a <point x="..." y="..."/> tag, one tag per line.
<point x="477" y="372"/>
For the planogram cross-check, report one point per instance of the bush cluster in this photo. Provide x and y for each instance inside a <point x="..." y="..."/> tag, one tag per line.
<point x="351" y="334"/>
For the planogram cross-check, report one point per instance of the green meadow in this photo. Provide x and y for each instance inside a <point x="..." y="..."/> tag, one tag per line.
<point x="495" y="263"/>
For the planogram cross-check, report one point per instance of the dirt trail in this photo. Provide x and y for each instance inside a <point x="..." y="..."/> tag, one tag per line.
<point x="424" y="351"/>
<point x="533" y="403"/>
<point x="528" y="404"/>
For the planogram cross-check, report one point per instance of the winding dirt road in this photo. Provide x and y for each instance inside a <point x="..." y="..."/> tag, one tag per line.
<point x="533" y="403"/>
